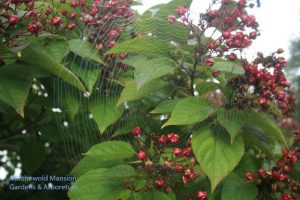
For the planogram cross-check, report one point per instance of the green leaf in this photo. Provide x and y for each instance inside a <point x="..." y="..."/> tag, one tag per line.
<point x="156" y="21"/>
<point x="154" y="195"/>
<point x="37" y="55"/>
<point x="112" y="150"/>
<point x="227" y="66"/>
<point x="203" y="86"/>
<point x="105" y="154"/>
<point x="175" y="32"/>
<point x="165" y="106"/>
<point x="295" y="173"/>
<point x="59" y="48"/>
<point x="87" y="70"/>
<point x="68" y="99"/>
<point x="254" y="137"/>
<point x="16" y="81"/>
<point x="130" y="91"/>
<point x="84" y="49"/>
<point x="236" y="188"/>
<point x="7" y="54"/>
<point x="249" y="163"/>
<point x="148" y="46"/>
<point x="216" y="156"/>
<point x="32" y="156"/>
<point x="105" y="111"/>
<point x="171" y="7"/>
<point x="233" y="121"/>
<point x="130" y="120"/>
<point x="153" y="69"/>
<point x="189" y="111"/>
<point x="274" y="109"/>
<point x="102" y="184"/>
<point x="265" y="125"/>
<point x="88" y="163"/>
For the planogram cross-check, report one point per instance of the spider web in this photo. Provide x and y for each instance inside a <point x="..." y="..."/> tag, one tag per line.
<point x="81" y="133"/>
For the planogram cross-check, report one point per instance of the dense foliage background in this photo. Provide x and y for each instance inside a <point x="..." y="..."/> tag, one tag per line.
<point x="151" y="106"/>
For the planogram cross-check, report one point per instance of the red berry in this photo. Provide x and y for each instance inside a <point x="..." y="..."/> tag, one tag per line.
<point x="211" y="44"/>
<point x="226" y="34"/>
<point x="73" y="4"/>
<point x="148" y="163"/>
<point x="177" y="151"/>
<point x="71" y="26"/>
<point x="163" y="139"/>
<point x="209" y="61"/>
<point x="252" y="35"/>
<point x="56" y="21"/>
<point x="260" y="172"/>
<point x="285" y="152"/>
<point x="170" y="135"/>
<point x="122" y="56"/>
<point x="168" y="164"/>
<point x="181" y="10"/>
<point x="262" y="101"/>
<point x="33" y="28"/>
<point x="172" y="19"/>
<point x="232" y="57"/>
<point x="72" y="15"/>
<point x="281" y="95"/>
<point x="226" y="2"/>
<point x="185" y="179"/>
<point x="16" y="1"/>
<point x="111" y="44"/>
<point x="63" y="12"/>
<point x="193" y="176"/>
<point x="280" y="50"/>
<point x="32" y="13"/>
<point x="293" y="159"/>
<point x="47" y="12"/>
<point x="137" y="131"/>
<point x="168" y="190"/>
<point x="188" y="171"/>
<point x="228" y="21"/>
<point x="123" y="6"/>
<point x="160" y="182"/>
<point x="179" y="168"/>
<point x="216" y="73"/>
<point x="113" y="34"/>
<point x="287" y="168"/>
<point x="186" y="151"/>
<point x="142" y="155"/>
<point x="94" y="11"/>
<point x="13" y="19"/>
<point x="202" y="195"/>
<point x="30" y="4"/>
<point x="174" y="139"/>
<point x="193" y="161"/>
<point x="281" y="177"/>
<point x="286" y="196"/>
<point x="296" y="133"/>
<point x="275" y="174"/>
<point x="249" y="176"/>
<point x="114" y="3"/>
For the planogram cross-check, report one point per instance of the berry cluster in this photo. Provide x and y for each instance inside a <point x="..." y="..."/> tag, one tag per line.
<point x="237" y="26"/>
<point x="265" y="80"/>
<point x="180" y="162"/>
<point x="277" y="179"/>
<point x="50" y="18"/>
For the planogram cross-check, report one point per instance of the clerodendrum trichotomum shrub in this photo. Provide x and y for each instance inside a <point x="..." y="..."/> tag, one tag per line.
<point x="164" y="105"/>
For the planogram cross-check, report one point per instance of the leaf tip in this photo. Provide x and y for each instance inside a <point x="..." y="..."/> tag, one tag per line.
<point x="21" y="113"/>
